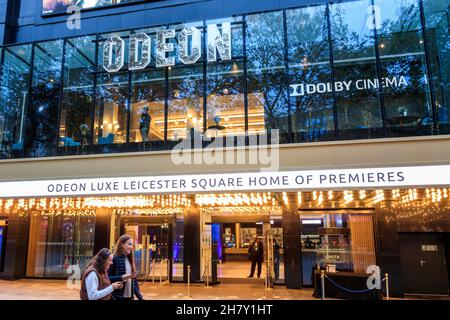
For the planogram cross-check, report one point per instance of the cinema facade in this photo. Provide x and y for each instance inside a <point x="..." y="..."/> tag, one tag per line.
<point x="197" y="126"/>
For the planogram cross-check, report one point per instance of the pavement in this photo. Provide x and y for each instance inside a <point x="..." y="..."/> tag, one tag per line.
<point x="33" y="289"/>
<point x="228" y="289"/>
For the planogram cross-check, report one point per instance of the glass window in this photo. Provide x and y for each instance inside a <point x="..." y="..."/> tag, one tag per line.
<point x="404" y="70"/>
<point x="111" y="112"/>
<point x="77" y="103"/>
<point x="42" y="117"/>
<point x="225" y="112"/>
<point x="185" y="102"/>
<point x="437" y="26"/>
<point x="355" y="71"/>
<point x="58" y="240"/>
<point x="148" y="87"/>
<point x="225" y="99"/>
<point x="309" y="65"/>
<point x="111" y="105"/>
<point x="15" y="80"/>
<point x="267" y="95"/>
<point x="341" y="239"/>
<point x="148" y="98"/>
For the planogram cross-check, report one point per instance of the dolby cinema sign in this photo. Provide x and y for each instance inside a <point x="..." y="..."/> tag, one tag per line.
<point x="218" y="39"/>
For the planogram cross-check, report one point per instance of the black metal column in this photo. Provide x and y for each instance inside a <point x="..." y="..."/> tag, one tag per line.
<point x="191" y="251"/>
<point x="102" y="230"/>
<point x="292" y="244"/>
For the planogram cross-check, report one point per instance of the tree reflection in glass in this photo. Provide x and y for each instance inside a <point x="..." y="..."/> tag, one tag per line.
<point x="15" y="78"/>
<point x="42" y="116"/>
<point x="309" y="63"/>
<point x="267" y="99"/>
<point x="408" y="107"/>
<point x="76" y="105"/>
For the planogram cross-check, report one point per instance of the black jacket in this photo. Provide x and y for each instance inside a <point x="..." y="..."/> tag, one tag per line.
<point x="256" y="252"/>
<point x="115" y="273"/>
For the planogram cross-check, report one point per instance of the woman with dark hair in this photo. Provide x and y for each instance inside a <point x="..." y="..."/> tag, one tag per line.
<point x="124" y="269"/>
<point x="95" y="284"/>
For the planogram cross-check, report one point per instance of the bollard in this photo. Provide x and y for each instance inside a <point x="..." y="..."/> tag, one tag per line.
<point x="160" y="272"/>
<point x="207" y="273"/>
<point x="168" y="270"/>
<point x="387" y="285"/>
<point x="153" y="270"/>
<point x="189" y="281"/>
<point x="322" y="280"/>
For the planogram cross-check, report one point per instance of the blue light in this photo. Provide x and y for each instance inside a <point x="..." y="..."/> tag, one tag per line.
<point x="216" y="237"/>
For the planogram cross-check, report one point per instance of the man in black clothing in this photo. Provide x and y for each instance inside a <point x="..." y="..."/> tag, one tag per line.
<point x="276" y="259"/>
<point x="256" y="253"/>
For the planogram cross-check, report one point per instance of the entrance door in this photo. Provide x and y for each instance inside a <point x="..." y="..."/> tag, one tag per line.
<point x="424" y="266"/>
<point x="3" y="229"/>
<point x="152" y="252"/>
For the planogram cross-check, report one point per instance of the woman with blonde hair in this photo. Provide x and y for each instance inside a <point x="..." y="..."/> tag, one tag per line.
<point x="124" y="269"/>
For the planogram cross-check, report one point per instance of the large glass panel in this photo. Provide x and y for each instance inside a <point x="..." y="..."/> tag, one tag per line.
<point x="147" y="126"/>
<point x="345" y="240"/>
<point x="225" y="115"/>
<point x="15" y="81"/>
<point x="309" y="65"/>
<point x="225" y="99"/>
<point x="403" y="69"/>
<point x="42" y="117"/>
<point x="185" y="96"/>
<point x="437" y="26"/>
<point x="355" y="71"/>
<point x="148" y="97"/>
<point x="185" y="102"/>
<point x="58" y="240"/>
<point x="77" y="103"/>
<point x="267" y="95"/>
<point x="111" y="111"/>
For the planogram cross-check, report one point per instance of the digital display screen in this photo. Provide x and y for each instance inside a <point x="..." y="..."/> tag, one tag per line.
<point x="60" y="6"/>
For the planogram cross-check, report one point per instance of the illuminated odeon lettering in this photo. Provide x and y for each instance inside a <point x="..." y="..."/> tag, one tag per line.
<point x="189" y="48"/>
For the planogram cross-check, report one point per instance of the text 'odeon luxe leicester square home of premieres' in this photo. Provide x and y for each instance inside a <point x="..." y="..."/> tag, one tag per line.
<point x="320" y="127"/>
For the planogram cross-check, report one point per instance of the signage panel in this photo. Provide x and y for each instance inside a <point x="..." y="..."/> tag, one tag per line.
<point x="304" y="180"/>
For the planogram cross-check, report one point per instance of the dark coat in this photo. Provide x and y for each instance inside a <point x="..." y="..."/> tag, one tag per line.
<point x="115" y="273"/>
<point x="276" y="251"/>
<point x="256" y="252"/>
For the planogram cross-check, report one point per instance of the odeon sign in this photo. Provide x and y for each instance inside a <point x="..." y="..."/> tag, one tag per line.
<point x="189" y="48"/>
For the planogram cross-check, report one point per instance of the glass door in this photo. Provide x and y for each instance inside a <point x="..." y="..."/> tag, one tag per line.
<point x="3" y="231"/>
<point x="60" y="241"/>
<point x="152" y="254"/>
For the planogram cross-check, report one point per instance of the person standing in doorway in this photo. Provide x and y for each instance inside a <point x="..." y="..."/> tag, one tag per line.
<point x="124" y="269"/>
<point x="256" y="253"/>
<point x="276" y="259"/>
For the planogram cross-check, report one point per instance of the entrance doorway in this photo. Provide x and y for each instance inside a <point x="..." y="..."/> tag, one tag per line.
<point x="153" y="245"/>
<point x="234" y="231"/>
<point x="3" y="234"/>
<point x="424" y="265"/>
